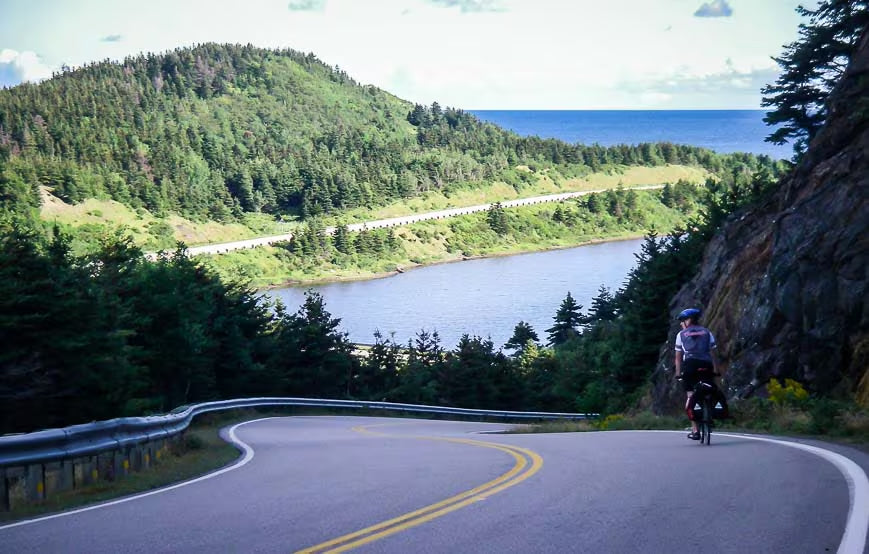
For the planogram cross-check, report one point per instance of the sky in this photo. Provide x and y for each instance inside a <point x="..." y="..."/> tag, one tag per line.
<point x="468" y="54"/>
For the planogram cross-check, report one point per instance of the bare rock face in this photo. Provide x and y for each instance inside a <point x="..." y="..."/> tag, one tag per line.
<point x="785" y="286"/>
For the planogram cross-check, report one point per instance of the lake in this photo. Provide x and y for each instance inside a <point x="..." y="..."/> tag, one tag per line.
<point x="485" y="297"/>
<point x="488" y="297"/>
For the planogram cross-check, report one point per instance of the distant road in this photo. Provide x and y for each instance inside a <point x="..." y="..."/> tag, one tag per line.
<point x="393" y="486"/>
<point x="398" y="221"/>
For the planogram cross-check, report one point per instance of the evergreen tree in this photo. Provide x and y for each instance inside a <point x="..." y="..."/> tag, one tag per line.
<point x="811" y="66"/>
<point x="568" y="318"/>
<point x="378" y="371"/>
<point x="603" y="308"/>
<point x="312" y="355"/>
<point x="418" y="380"/>
<point x="523" y="336"/>
<point x="593" y="203"/>
<point x="342" y="240"/>
<point x="497" y="219"/>
<point x="475" y="375"/>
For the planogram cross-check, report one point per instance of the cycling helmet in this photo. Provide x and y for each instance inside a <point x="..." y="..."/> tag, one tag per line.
<point x="690" y="313"/>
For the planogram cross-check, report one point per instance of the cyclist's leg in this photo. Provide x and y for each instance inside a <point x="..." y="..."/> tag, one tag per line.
<point x="689" y="380"/>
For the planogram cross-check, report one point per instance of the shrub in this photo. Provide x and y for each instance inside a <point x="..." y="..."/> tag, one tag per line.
<point x="824" y="413"/>
<point x="791" y="394"/>
<point x="610" y="422"/>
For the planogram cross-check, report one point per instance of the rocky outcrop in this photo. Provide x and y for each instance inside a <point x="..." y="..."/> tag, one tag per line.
<point x="785" y="286"/>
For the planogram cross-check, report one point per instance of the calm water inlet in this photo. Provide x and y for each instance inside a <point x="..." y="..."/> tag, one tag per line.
<point x="485" y="297"/>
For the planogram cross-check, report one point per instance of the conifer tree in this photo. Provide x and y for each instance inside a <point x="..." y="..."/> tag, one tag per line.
<point x="378" y="370"/>
<point x="603" y="307"/>
<point x="568" y="318"/>
<point x="312" y="355"/>
<point x="811" y="66"/>
<point x="497" y="219"/>
<point x="523" y="335"/>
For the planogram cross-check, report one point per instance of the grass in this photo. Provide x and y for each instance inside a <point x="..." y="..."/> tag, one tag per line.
<point x="848" y="427"/>
<point x="531" y="229"/>
<point x="95" y="217"/>
<point x="201" y="451"/>
<point x="615" y="422"/>
<point x="501" y="192"/>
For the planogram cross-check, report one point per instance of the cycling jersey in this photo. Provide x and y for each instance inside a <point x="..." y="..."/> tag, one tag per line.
<point x="696" y="343"/>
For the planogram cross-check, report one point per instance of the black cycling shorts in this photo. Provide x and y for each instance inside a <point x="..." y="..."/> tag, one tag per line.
<point x="693" y="370"/>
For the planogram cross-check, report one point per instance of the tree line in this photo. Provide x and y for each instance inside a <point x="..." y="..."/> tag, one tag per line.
<point x="215" y="131"/>
<point x="111" y="333"/>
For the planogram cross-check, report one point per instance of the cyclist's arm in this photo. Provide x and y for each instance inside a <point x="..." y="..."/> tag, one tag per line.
<point x="678" y="363"/>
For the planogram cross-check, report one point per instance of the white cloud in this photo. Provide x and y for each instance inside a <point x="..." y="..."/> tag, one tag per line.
<point x="716" y="8"/>
<point x="307" y="5"/>
<point x="17" y="67"/>
<point x="471" y="54"/>
<point x="470" y="6"/>
<point x="741" y="86"/>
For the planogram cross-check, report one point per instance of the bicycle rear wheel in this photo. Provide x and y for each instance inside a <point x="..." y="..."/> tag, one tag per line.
<point x="706" y="434"/>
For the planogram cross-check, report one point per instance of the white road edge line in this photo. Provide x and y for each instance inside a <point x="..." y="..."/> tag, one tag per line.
<point x="248" y="456"/>
<point x="854" y="538"/>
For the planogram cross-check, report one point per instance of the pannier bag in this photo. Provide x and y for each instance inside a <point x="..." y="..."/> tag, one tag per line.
<point x="720" y="409"/>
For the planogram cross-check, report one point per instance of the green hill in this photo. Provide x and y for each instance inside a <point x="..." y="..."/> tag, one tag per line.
<point x="215" y="132"/>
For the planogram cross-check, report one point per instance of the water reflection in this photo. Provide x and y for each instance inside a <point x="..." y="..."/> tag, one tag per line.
<point x="485" y="297"/>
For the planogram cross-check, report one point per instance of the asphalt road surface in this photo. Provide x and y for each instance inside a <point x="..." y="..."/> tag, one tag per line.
<point x="331" y="484"/>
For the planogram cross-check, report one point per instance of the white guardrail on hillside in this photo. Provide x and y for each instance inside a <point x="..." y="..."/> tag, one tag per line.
<point x="398" y="221"/>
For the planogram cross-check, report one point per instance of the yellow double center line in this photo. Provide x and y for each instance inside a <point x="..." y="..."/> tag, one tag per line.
<point x="527" y="464"/>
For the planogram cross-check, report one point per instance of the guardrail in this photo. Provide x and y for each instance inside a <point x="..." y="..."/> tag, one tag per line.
<point x="222" y="248"/>
<point x="35" y="465"/>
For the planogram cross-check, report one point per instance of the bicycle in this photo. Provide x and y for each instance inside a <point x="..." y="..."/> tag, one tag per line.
<point x="706" y="404"/>
<point x="704" y="398"/>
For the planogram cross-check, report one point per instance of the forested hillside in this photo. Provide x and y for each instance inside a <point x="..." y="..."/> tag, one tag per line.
<point x="214" y="131"/>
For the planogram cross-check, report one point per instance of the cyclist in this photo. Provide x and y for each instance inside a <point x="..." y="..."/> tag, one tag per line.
<point x="695" y="346"/>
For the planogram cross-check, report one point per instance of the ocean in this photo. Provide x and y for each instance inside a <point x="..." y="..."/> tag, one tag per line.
<point x="724" y="131"/>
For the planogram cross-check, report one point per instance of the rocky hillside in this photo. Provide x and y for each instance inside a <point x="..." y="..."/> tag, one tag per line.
<point x="785" y="286"/>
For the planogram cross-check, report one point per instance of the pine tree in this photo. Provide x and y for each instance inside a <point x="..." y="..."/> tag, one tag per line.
<point x="342" y="241"/>
<point x="497" y="219"/>
<point x="312" y="355"/>
<point x="811" y="66"/>
<point x="425" y="358"/>
<point x="523" y="336"/>
<point x="603" y="307"/>
<point x="568" y="318"/>
<point x="378" y="371"/>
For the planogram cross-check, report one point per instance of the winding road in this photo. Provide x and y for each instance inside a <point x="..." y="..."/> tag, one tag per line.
<point x="224" y="247"/>
<point x="335" y="483"/>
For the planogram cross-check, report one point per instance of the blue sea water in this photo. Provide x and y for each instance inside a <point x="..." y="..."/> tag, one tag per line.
<point x="724" y="131"/>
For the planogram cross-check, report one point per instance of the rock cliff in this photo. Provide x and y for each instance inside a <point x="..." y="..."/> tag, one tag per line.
<point x="784" y="284"/>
